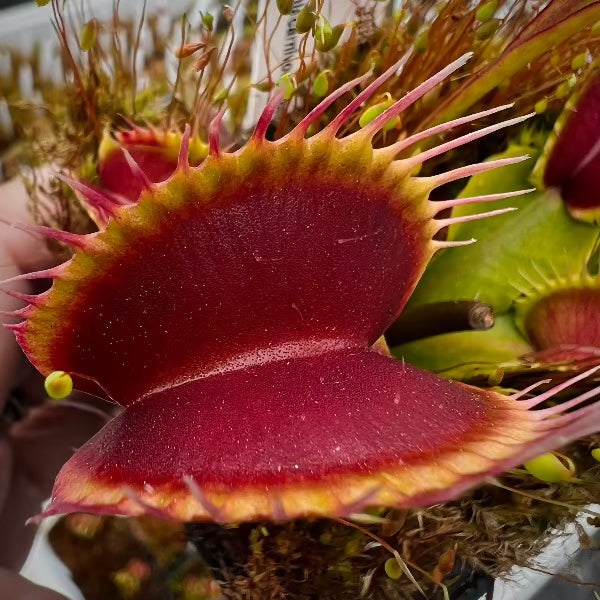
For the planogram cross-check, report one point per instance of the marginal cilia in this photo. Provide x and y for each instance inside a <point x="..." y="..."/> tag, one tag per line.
<point x="236" y="311"/>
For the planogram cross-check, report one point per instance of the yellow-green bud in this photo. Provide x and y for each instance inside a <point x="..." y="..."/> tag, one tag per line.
<point x="88" y="35"/>
<point x="563" y="89"/>
<point x="596" y="454"/>
<point x="495" y="377"/>
<point x="42" y="2"/>
<point x="127" y="584"/>
<point x="305" y="20"/>
<point x="412" y="26"/>
<point x="392" y="569"/>
<point x="549" y="468"/>
<point x="285" y="6"/>
<point x="422" y="42"/>
<point x="265" y="86"/>
<point x="329" y="40"/>
<point x="353" y="547"/>
<point x="488" y="29"/>
<point x="288" y="84"/>
<point x="321" y="84"/>
<point x="486" y="11"/>
<point x="371" y="113"/>
<point x="579" y="61"/>
<point x="326" y="538"/>
<point x="541" y="106"/>
<point x="208" y="21"/>
<point x="58" y="385"/>
<point x="220" y="96"/>
<point x="322" y="29"/>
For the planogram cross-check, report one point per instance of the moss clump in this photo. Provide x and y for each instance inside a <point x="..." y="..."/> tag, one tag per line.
<point x="491" y="529"/>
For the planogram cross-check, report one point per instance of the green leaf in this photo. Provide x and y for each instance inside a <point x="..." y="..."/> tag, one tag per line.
<point x="466" y="351"/>
<point x="509" y="247"/>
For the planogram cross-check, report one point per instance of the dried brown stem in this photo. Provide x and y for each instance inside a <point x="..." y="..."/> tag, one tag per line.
<point x="437" y="318"/>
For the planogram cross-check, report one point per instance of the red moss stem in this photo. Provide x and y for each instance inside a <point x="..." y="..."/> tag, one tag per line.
<point x="135" y="53"/>
<point x="173" y="101"/>
<point x="60" y="28"/>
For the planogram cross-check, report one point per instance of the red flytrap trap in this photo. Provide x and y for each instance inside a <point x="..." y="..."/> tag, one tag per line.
<point x="236" y="312"/>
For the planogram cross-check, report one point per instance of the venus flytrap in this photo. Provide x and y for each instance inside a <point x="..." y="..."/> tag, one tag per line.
<point x="269" y="226"/>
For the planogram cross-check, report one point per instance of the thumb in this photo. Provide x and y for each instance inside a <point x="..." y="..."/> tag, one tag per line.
<point x="15" y="587"/>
